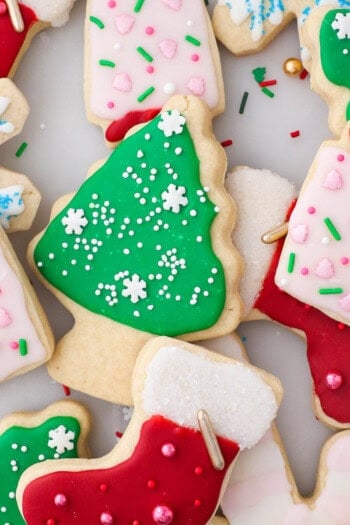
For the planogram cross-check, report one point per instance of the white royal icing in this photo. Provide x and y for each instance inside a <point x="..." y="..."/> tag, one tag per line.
<point x="239" y="402"/>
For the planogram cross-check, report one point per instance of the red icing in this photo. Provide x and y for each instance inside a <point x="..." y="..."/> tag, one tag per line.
<point x="11" y="42"/>
<point x="128" y="498"/>
<point x="118" y="129"/>
<point x="328" y="341"/>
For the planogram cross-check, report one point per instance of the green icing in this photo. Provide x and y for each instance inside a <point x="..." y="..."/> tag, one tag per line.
<point x="348" y="111"/>
<point x="134" y="243"/>
<point x="20" y="448"/>
<point x="335" y="46"/>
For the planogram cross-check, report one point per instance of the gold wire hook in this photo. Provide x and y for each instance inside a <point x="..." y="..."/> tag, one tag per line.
<point x="210" y="440"/>
<point x="275" y="234"/>
<point x="15" y="15"/>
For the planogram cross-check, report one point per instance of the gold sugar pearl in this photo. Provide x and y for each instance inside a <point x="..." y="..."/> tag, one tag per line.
<point x="292" y="67"/>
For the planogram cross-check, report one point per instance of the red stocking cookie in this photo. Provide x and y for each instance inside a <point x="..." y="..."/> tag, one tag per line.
<point x="25" y="337"/>
<point x="36" y="15"/>
<point x="140" y="53"/>
<point x="161" y="471"/>
<point x="327" y="339"/>
<point x="144" y="247"/>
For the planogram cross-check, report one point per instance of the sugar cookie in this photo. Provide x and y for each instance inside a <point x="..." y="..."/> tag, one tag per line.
<point x="168" y="475"/>
<point x="140" y="53"/>
<point x="144" y="247"/>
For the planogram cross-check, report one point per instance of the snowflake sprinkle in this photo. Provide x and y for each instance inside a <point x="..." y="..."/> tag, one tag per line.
<point x="135" y="288"/>
<point x="341" y="25"/>
<point x="172" y="122"/>
<point x="74" y="221"/>
<point x="61" y="439"/>
<point x="174" y="197"/>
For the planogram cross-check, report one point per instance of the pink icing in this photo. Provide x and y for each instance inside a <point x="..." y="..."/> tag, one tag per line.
<point x="168" y="48"/>
<point x="327" y="287"/>
<point x="15" y="324"/>
<point x="171" y="58"/>
<point x="122" y="82"/>
<point x="173" y="4"/>
<point x="124" y="23"/>
<point x="333" y="180"/>
<point x="299" y="233"/>
<point x="324" y="269"/>
<point x="196" y="86"/>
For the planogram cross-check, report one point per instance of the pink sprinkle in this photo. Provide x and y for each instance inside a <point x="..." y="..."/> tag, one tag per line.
<point x="112" y="3"/>
<point x="311" y="210"/>
<point x="344" y="260"/>
<point x="110" y="105"/>
<point x="195" y="57"/>
<point x="334" y="380"/>
<point x="14" y="345"/>
<point x="149" y="30"/>
<point x="304" y="271"/>
<point x="60" y="500"/>
<point x="168" y="450"/>
<point x="3" y="8"/>
<point x="340" y="157"/>
<point x="150" y="69"/>
<point x="162" y="515"/>
<point x="106" y="518"/>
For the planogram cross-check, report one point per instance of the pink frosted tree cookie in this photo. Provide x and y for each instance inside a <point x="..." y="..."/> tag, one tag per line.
<point x="25" y="336"/>
<point x="141" y="52"/>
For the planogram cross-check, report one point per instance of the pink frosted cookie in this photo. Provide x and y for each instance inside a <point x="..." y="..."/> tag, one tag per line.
<point x="141" y="52"/>
<point x="161" y="471"/>
<point x="36" y="15"/>
<point x="25" y="337"/>
<point x="263" y="201"/>
<point x="315" y="262"/>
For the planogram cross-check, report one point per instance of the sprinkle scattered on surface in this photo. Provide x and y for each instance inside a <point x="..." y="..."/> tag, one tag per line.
<point x="21" y="149"/>
<point x="295" y="134"/>
<point x="226" y="143"/>
<point x="66" y="390"/>
<point x="243" y="102"/>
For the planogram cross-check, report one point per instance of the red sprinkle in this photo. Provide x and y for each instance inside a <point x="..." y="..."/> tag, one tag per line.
<point x="151" y="484"/>
<point x="226" y="143"/>
<point x="119" y="434"/>
<point x="103" y="487"/>
<point x="50" y="521"/>
<point x="266" y="83"/>
<point x="303" y="74"/>
<point x="66" y="390"/>
<point x="197" y="503"/>
<point x="295" y="134"/>
<point x="341" y="326"/>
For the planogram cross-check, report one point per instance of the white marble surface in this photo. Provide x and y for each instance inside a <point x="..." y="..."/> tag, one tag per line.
<point x="62" y="145"/>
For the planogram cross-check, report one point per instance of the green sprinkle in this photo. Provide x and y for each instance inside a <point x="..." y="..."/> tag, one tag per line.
<point x="138" y="6"/>
<point x="192" y="40"/>
<point x="23" y="347"/>
<point x="243" y="102"/>
<point x="332" y="229"/>
<point x="291" y="262"/>
<point x="144" y="53"/>
<point x="145" y="94"/>
<point x="97" y="21"/>
<point x="259" y="73"/>
<point x="267" y="92"/>
<point x="107" y="63"/>
<point x="348" y="111"/>
<point x="330" y="291"/>
<point x="21" y="149"/>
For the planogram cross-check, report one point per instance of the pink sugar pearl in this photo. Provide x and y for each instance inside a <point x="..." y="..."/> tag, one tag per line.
<point x="60" y="500"/>
<point x="162" y="515"/>
<point x="106" y="518"/>
<point x="340" y="157"/>
<point x="168" y="450"/>
<point x="112" y="4"/>
<point x="149" y="30"/>
<point x="334" y="380"/>
<point x="195" y="57"/>
<point x="311" y="210"/>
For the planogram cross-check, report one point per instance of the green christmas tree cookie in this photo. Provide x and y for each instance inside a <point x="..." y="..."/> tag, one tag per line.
<point x="327" y="35"/>
<point x="143" y="248"/>
<point x="57" y="432"/>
